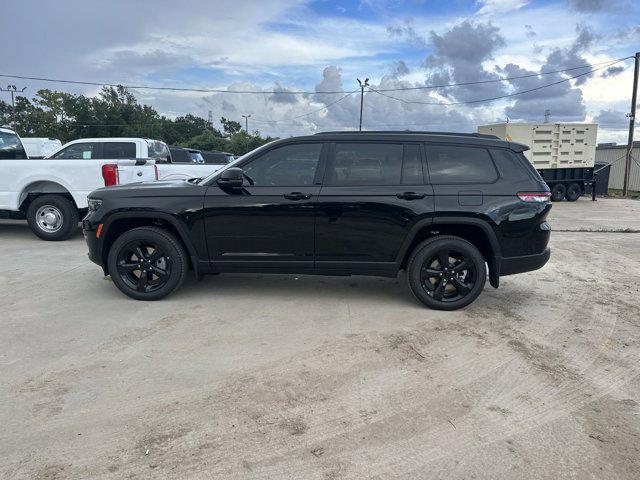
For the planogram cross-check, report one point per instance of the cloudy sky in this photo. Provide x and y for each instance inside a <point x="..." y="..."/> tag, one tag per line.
<point x="323" y="46"/>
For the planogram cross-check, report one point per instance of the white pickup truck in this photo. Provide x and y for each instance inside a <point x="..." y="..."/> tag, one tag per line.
<point x="52" y="193"/>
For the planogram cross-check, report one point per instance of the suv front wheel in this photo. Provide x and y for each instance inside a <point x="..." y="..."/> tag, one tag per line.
<point x="446" y="273"/>
<point x="147" y="263"/>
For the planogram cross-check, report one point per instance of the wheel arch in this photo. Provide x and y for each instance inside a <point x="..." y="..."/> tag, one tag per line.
<point x="37" y="188"/>
<point x="478" y="232"/>
<point x="122" y="222"/>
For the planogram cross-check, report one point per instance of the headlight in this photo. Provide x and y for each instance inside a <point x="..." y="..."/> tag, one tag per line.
<point x="94" y="204"/>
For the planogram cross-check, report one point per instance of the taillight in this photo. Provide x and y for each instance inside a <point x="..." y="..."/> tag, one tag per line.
<point x="110" y="174"/>
<point x="155" y="168"/>
<point x="534" y="197"/>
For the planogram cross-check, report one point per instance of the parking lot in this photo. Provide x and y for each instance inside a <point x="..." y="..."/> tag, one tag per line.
<point x="252" y="376"/>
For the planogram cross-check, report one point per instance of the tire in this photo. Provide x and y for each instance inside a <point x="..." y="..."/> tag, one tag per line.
<point x="573" y="192"/>
<point x="425" y="260"/>
<point x="558" y="191"/>
<point x="160" y="252"/>
<point x="52" y="217"/>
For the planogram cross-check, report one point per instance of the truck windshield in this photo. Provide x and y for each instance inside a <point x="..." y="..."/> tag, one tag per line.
<point x="11" y="147"/>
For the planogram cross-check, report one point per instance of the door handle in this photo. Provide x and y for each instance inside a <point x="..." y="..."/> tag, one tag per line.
<point x="297" y="196"/>
<point x="411" y="195"/>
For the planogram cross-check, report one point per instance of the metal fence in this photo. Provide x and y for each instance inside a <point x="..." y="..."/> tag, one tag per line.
<point x="615" y="156"/>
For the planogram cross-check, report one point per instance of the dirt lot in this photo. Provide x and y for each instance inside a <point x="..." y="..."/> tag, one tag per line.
<point x="249" y="376"/>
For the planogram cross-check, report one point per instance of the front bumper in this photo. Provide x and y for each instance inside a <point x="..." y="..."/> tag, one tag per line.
<point x="526" y="263"/>
<point x="89" y="230"/>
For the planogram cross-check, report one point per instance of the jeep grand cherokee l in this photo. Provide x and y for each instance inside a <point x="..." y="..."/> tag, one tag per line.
<point x="447" y="208"/>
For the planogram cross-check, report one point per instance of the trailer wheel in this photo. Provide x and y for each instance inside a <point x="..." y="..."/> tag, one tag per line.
<point x="558" y="192"/>
<point x="573" y="192"/>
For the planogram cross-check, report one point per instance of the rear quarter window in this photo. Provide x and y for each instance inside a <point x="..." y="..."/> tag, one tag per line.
<point x="510" y="166"/>
<point x="451" y="164"/>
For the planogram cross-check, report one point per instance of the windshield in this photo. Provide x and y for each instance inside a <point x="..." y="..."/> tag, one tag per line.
<point x="11" y="147"/>
<point x="235" y="162"/>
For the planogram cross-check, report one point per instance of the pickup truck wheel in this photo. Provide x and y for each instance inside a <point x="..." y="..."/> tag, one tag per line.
<point x="52" y="217"/>
<point x="573" y="192"/>
<point x="446" y="273"/>
<point x="147" y="263"/>
<point x="558" y="191"/>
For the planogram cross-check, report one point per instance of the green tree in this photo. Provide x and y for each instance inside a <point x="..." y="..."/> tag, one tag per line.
<point x="231" y="127"/>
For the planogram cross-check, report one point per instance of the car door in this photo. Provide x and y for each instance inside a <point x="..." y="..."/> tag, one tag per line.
<point x="373" y="193"/>
<point x="269" y="222"/>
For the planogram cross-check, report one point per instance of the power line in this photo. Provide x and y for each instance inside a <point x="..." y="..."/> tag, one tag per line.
<point x="299" y="92"/>
<point x="498" y="97"/>
<point x="503" y="79"/>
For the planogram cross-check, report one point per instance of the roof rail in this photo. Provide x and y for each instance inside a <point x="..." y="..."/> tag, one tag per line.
<point x="409" y="132"/>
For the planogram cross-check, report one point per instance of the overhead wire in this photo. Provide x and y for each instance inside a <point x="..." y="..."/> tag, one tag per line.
<point x="491" y="99"/>
<point x="299" y="92"/>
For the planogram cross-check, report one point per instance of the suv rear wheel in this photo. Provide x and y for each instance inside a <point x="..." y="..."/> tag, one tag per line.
<point x="147" y="263"/>
<point x="52" y="217"/>
<point x="446" y="273"/>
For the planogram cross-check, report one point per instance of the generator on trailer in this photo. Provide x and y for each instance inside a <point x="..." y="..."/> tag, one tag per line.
<point x="563" y="153"/>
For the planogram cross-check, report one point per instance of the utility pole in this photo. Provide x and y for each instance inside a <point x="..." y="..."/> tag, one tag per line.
<point x="210" y="119"/>
<point x="632" y="120"/>
<point x="547" y="112"/>
<point x="362" y="85"/>
<point x="246" y="122"/>
<point x="13" y="90"/>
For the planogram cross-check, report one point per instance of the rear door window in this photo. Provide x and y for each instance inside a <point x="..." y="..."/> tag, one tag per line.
<point x="356" y="164"/>
<point x="118" y="150"/>
<point x="79" y="151"/>
<point x="454" y="164"/>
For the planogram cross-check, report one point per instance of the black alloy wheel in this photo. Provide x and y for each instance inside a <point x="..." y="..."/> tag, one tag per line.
<point x="144" y="266"/>
<point x="446" y="273"/>
<point x="147" y="263"/>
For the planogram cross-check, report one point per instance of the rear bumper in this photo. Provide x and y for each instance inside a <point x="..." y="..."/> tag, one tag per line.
<point x="526" y="263"/>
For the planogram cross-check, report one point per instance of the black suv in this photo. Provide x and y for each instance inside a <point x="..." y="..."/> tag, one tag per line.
<point x="444" y="207"/>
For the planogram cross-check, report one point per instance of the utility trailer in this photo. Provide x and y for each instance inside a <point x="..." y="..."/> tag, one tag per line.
<point x="563" y="153"/>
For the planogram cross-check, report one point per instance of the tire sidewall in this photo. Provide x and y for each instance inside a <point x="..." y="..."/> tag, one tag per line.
<point x="168" y="243"/>
<point x="426" y="250"/>
<point x="66" y="208"/>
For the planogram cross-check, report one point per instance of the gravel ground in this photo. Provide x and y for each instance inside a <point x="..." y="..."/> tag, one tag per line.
<point x="252" y="376"/>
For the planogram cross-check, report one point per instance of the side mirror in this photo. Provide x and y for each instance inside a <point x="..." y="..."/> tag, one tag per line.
<point x="231" y="177"/>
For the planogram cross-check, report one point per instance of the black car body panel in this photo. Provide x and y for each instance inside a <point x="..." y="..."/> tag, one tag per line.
<point x="320" y="227"/>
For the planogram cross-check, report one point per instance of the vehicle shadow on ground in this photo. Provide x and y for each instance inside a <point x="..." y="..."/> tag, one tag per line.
<point x="290" y="287"/>
<point x="13" y="229"/>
